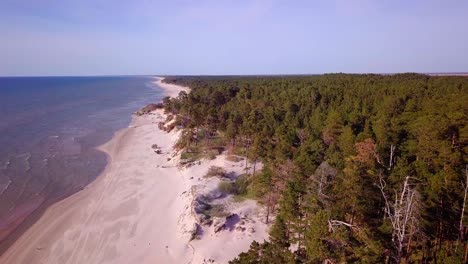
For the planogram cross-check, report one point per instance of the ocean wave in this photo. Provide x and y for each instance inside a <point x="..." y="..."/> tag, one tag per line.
<point x="6" y="165"/>
<point x="27" y="157"/>
<point x="4" y="187"/>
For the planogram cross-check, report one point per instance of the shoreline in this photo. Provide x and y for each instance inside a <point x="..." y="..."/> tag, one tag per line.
<point x="20" y="223"/>
<point x="40" y="213"/>
<point x="138" y="209"/>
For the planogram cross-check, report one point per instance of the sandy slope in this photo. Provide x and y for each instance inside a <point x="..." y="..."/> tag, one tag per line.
<point x="139" y="210"/>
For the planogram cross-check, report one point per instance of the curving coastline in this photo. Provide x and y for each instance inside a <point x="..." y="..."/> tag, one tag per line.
<point x="139" y="210"/>
<point x="49" y="141"/>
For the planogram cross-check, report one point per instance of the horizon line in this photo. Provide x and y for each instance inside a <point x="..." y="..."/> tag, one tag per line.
<point x="461" y="73"/>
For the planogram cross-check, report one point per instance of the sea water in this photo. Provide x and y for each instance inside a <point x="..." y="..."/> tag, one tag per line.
<point x="49" y="130"/>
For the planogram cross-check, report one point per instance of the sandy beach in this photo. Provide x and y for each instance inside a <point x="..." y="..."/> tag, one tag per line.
<point x="140" y="210"/>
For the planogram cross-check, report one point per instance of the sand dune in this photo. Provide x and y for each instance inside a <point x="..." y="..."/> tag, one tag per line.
<point x="140" y="209"/>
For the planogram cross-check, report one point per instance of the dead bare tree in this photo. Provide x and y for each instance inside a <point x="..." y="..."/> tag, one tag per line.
<point x="332" y="223"/>
<point x="247" y="144"/>
<point x="392" y="154"/>
<point x="403" y="212"/>
<point x="302" y="135"/>
<point x="322" y="178"/>
<point x="271" y="200"/>
<point x="461" y="227"/>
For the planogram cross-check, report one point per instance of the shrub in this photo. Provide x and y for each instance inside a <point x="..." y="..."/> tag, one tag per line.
<point x="234" y="158"/>
<point x="238" y="187"/>
<point x="241" y="184"/>
<point x="211" y="155"/>
<point x="227" y="187"/>
<point x="217" y="210"/>
<point x="185" y="156"/>
<point x="169" y="118"/>
<point x="215" y="171"/>
<point x="148" y="109"/>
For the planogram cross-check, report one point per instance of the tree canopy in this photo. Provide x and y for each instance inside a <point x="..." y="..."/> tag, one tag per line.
<point x="347" y="159"/>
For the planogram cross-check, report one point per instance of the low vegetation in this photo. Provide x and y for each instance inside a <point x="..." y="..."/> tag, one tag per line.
<point x="217" y="210"/>
<point x="149" y="108"/>
<point x="216" y="171"/>
<point x="237" y="187"/>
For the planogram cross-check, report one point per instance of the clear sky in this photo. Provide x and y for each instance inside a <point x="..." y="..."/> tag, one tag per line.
<point x="113" y="37"/>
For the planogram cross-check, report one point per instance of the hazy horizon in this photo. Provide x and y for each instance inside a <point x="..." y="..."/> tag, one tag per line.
<point x="233" y="75"/>
<point x="259" y="37"/>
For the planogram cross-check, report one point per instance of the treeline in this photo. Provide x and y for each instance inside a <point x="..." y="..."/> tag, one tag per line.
<point x="358" y="168"/>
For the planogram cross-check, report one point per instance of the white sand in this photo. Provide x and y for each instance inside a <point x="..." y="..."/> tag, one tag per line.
<point x="139" y="210"/>
<point x="171" y="90"/>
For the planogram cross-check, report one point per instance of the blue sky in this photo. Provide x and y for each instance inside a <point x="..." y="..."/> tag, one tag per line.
<point x="105" y="37"/>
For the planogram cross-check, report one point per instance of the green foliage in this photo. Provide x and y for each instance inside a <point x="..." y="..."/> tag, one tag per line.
<point x="227" y="187"/>
<point x="279" y="234"/>
<point x="266" y="253"/>
<point x="237" y="187"/>
<point x="242" y="184"/>
<point x="190" y="156"/>
<point x="368" y="127"/>
<point x="317" y="237"/>
<point x="261" y="183"/>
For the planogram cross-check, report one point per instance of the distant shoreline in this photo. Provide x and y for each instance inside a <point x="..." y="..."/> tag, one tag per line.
<point x="246" y="75"/>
